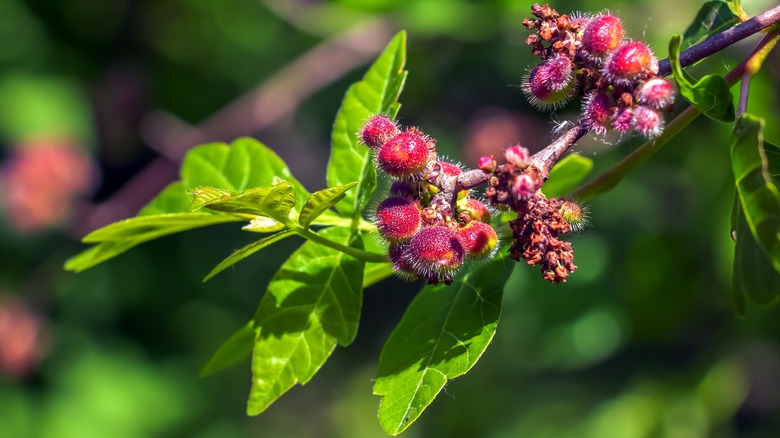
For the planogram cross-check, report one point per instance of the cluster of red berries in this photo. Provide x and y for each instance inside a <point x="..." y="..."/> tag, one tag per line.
<point x="588" y="56"/>
<point x="430" y="236"/>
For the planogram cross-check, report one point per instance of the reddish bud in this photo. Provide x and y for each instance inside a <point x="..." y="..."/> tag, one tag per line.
<point x="596" y="113"/>
<point x="602" y="35"/>
<point x="377" y="131"/>
<point x="622" y="119"/>
<point x="648" y="121"/>
<point x="523" y="187"/>
<point x="657" y="93"/>
<point x="550" y="84"/>
<point x="397" y="254"/>
<point x="398" y="219"/>
<point x="630" y="62"/>
<point x="517" y="156"/>
<point x="436" y="253"/>
<point x="486" y="163"/>
<point x="404" y="156"/>
<point x="478" y="239"/>
<point x="476" y="209"/>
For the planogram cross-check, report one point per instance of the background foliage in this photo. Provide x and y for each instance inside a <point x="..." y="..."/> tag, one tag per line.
<point x="642" y="341"/>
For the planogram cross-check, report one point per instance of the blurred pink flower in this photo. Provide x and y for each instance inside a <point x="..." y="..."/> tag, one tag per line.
<point x="21" y="333"/>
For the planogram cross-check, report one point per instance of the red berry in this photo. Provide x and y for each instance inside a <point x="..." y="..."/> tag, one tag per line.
<point x="523" y="187"/>
<point x="622" y="118"/>
<point x="449" y="168"/>
<point x="404" y="156"/>
<point x="397" y="254"/>
<point x="377" y="131"/>
<point x="601" y="36"/>
<point x="436" y="253"/>
<point x="657" y="93"/>
<point x="478" y="239"/>
<point x="517" y="156"/>
<point x="629" y="63"/>
<point x="596" y="113"/>
<point x="398" y="219"/>
<point x="476" y="209"/>
<point x="648" y="121"/>
<point x="550" y="84"/>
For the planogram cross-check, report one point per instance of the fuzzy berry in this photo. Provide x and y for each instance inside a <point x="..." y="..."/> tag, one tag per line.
<point x="523" y="186"/>
<point x="377" y="131"/>
<point x="647" y="121"/>
<point x="397" y="254"/>
<point x="476" y="209"/>
<point x="405" y="155"/>
<point x="657" y="93"/>
<point x="398" y="219"/>
<point x="479" y="240"/>
<point x="436" y="253"/>
<point x="550" y="84"/>
<point x="574" y="214"/>
<point x="622" y="119"/>
<point x="596" y="113"/>
<point x="449" y="168"/>
<point x="517" y="156"/>
<point x="630" y="62"/>
<point x="601" y="36"/>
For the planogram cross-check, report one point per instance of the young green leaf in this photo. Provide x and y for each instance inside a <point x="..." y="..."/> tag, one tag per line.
<point x="320" y="201"/>
<point x="173" y="199"/>
<point x="275" y="202"/>
<point x="758" y="192"/>
<point x="246" y="251"/>
<point x="754" y="277"/>
<point x="710" y="94"/>
<point x="442" y="334"/>
<point x="312" y="303"/>
<point x="713" y="17"/>
<point x="121" y="236"/>
<point x="233" y="351"/>
<point x="566" y="174"/>
<point x="377" y="93"/>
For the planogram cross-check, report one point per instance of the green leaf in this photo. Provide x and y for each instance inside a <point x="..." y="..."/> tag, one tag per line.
<point x="710" y="94"/>
<point x="173" y="199"/>
<point x="377" y="93"/>
<point x="758" y="192"/>
<point x="442" y="334"/>
<point x="754" y="277"/>
<point x="320" y="201"/>
<point x="233" y="351"/>
<point x="713" y="17"/>
<point x="312" y="303"/>
<point x="120" y="236"/>
<point x="566" y="174"/>
<point x="246" y="251"/>
<point x="274" y="202"/>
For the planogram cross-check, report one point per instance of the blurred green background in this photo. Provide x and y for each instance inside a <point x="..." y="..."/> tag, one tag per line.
<point x="99" y="101"/>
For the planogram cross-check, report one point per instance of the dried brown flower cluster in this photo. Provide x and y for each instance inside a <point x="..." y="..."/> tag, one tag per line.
<point x="560" y="31"/>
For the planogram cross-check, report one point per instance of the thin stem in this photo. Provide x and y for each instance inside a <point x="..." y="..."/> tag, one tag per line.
<point x="744" y="91"/>
<point x="366" y="256"/>
<point x="609" y="179"/>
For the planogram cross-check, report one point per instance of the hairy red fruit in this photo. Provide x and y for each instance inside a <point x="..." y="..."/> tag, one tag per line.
<point x="404" y="156"/>
<point x="622" y="119"/>
<point x="517" y="156"/>
<point x="449" y="168"/>
<point x="436" y="253"/>
<point x="597" y="112"/>
<point x="601" y="36"/>
<point x="629" y="63"/>
<point x="475" y="208"/>
<point x="378" y="130"/>
<point x="478" y="239"/>
<point x="550" y="84"/>
<point x="398" y="219"/>
<point x="657" y="93"/>
<point x="486" y="163"/>
<point x="523" y="186"/>
<point x="647" y="121"/>
<point x="397" y="254"/>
